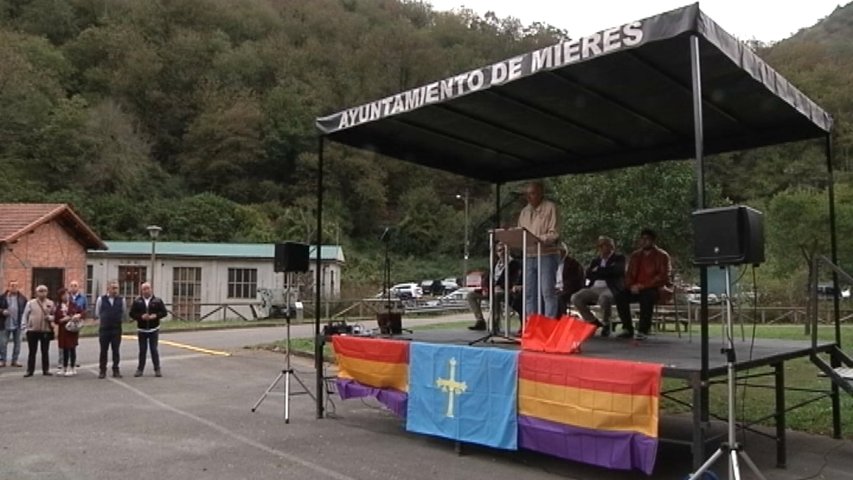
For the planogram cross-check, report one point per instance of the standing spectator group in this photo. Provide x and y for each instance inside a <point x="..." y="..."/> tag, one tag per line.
<point x="41" y="320"/>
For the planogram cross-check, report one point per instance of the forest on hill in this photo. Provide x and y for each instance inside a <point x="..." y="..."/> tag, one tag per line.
<point x="198" y="115"/>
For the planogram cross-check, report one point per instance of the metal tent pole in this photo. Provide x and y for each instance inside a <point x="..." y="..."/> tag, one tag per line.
<point x="318" y="341"/>
<point x="835" y="392"/>
<point x="698" y="131"/>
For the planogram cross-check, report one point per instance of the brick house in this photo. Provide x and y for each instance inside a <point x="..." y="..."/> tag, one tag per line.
<point x="43" y="243"/>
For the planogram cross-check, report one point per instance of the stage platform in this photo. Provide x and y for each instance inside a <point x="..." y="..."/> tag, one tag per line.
<point x="681" y="358"/>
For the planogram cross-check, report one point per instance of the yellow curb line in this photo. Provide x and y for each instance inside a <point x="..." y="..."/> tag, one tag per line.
<point x="187" y="347"/>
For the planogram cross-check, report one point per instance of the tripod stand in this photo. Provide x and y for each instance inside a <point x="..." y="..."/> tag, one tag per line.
<point x="731" y="447"/>
<point x="287" y="373"/>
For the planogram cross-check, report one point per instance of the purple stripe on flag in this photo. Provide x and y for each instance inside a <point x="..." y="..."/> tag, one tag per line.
<point x="393" y="399"/>
<point x="609" y="449"/>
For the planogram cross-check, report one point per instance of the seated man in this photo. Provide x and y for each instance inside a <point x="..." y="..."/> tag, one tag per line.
<point x="648" y="272"/>
<point x="569" y="279"/>
<point x="476" y="297"/>
<point x="606" y="278"/>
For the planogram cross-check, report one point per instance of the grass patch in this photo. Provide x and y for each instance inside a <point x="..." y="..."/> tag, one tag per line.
<point x="756" y="398"/>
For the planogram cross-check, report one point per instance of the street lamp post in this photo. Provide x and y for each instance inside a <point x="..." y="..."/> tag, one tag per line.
<point x="153" y="231"/>
<point x="465" y="252"/>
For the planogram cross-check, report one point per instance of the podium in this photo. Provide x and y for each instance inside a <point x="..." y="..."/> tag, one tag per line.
<point x="517" y="239"/>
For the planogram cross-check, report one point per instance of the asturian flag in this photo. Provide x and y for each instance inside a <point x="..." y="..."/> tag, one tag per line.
<point x="464" y="393"/>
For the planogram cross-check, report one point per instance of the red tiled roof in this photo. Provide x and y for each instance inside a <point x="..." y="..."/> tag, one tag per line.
<point x="17" y="219"/>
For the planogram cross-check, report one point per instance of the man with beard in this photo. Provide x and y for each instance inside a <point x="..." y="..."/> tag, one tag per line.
<point x="649" y="269"/>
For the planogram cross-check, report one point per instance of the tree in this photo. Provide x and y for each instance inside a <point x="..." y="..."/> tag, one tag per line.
<point x="798" y="227"/>
<point x="621" y="203"/>
<point x="223" y="144"/>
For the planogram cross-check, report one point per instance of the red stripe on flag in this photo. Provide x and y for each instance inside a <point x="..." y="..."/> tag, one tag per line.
<point x="614" y="376"/>
<point x="374" y="349"/>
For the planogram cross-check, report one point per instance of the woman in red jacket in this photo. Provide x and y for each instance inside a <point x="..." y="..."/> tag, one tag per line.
<point x="67" y="313"/>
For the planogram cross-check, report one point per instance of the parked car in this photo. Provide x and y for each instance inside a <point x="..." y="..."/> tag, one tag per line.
<point x="693" y="294"/>
<point x="439" y="287"/>
<point x="407" y="290"/>
<point x="458" y="297"/>
<point x="827" y="290"/>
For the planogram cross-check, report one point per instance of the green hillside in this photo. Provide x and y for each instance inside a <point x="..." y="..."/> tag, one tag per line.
<point x="198" y="115"/>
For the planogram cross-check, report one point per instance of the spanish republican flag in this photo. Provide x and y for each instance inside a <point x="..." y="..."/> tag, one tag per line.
<point x="373" y="367"/>
<point x="601" y="412"/>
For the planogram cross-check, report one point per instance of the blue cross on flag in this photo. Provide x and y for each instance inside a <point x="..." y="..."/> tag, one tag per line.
<point x="464" y="393"/>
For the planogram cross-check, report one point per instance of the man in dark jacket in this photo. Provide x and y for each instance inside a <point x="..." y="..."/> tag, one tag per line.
<point x="570" y="279"/>
<point x="12" y="304"/>
<point x="475" y="297"/>
<point x="110" y="312"/>
<point x="147" y="310"/>
<point x="605" y="278"/>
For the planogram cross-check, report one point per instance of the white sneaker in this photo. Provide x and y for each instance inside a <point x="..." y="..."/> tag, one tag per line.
<point x="60" y="371"/>
<point x="74" y="371"/>
<point x="69" y="373"/>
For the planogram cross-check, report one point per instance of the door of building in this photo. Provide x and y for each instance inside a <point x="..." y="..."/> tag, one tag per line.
<point x="52" y="278"/>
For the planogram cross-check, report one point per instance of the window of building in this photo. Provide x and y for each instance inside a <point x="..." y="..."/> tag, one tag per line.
<point x="242" y="282"/>
<point x="90" y="287"/>
<point x="186" y="293"/>
<point x="130" y="277"/>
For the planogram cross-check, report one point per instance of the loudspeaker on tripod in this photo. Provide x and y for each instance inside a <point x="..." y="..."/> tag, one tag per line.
<point x="291" y="257"/>
<point x="728" y="236"/>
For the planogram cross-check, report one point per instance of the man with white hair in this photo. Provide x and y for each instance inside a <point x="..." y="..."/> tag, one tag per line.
<point x="605" y="278"/>
<point x="540" y="217"/>
<point x="38" y="323"/>
<point x="147" y="310"/>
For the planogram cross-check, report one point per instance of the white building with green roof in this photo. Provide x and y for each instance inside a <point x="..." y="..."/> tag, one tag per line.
<point x="206" y="280"/>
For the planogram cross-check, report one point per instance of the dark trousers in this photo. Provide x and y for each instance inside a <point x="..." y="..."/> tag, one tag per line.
<point x="69" y="357"/>
<point x="109" y="339"/>
<point x="146" y="340"/>
<point x="646" y="298"/>
<point x="34" y="341"/>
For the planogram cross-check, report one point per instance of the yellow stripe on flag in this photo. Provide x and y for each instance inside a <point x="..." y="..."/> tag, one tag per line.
<point x="374" y="374"/>
<point x="593" y="409"/>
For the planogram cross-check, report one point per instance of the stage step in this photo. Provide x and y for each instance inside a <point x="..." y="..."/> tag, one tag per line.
<point x="841" y="376"/>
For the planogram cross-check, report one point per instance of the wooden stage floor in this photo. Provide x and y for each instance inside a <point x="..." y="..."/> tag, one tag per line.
<point x="681" y="357"/>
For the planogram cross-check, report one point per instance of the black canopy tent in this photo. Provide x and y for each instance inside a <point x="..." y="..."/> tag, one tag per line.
<point x="669" y="87"/>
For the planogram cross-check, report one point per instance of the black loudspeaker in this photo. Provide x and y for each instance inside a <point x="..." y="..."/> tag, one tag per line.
<point x="291" y="257"/>
<point x="728" y="236"/>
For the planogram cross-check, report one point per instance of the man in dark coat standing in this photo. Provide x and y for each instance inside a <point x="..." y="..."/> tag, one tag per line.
<point x="110" y="312"/>
<point x="147" y="310"/>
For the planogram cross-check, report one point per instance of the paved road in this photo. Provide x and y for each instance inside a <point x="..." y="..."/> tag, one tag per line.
<point x="196" y="423"/>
